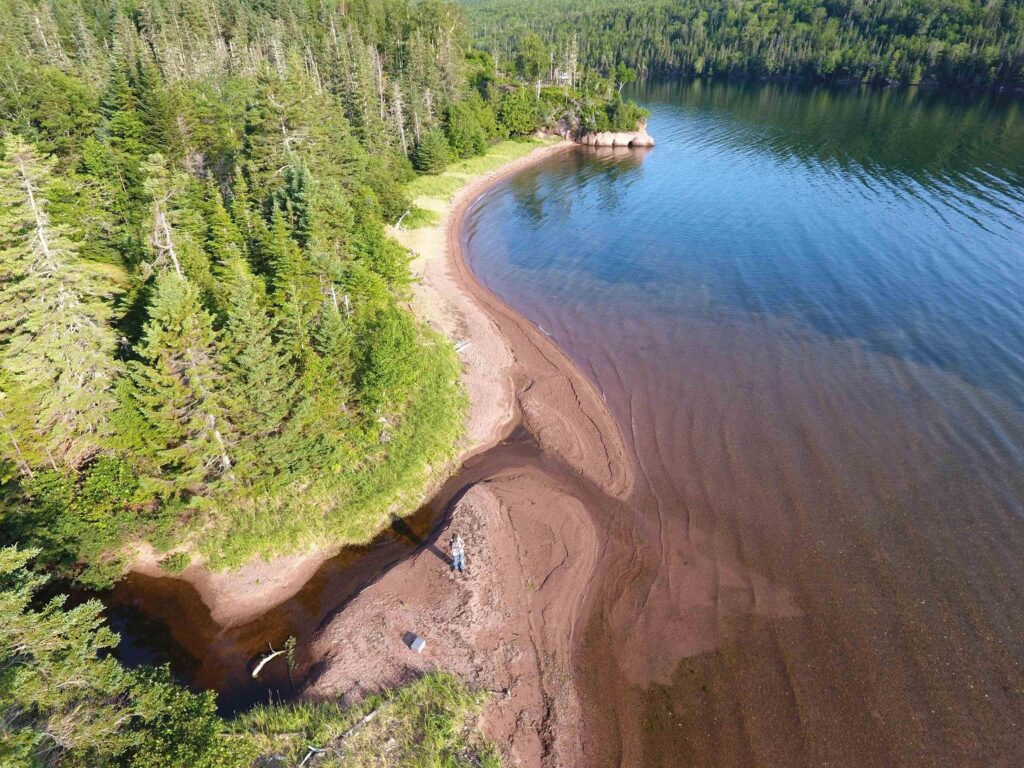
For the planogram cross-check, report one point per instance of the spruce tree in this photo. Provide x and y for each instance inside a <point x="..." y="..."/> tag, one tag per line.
<point x="176" y="397"/>
<point x="155" y="111"/>
<point x="250" y="224"/>
<point x="294" y="200"/>
<point x="388" y="361"/>
<point x="335" y="346"/>
<point x="55" y="337"/>
<point x="117" y="95"/>
<point x="259" y="382"/>
<point x="296" y="289"/>
<point x="65" y="700"/>
<point x="176" y="228"/>
<point x="432" y="153"/>
<point x="224" y="242"/>
<point x="465" y="135"/>
<point x="60" y="690"/>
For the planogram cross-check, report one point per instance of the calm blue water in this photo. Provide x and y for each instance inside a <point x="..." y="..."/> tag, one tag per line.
<point x="806" y="309"/>
<point x="894" y="219"/>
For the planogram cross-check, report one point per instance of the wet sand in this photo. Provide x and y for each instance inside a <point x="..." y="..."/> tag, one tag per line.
<point x="813" y="567"/>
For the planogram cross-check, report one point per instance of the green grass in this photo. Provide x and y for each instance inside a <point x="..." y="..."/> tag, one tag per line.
<point x="440" y="187"/>
<point x="419" y="218"/>
<point x="351" y="504"/>
<point x="176" y="562"/>
<point x="424" y="724"/>
<point x="444" y="185"/>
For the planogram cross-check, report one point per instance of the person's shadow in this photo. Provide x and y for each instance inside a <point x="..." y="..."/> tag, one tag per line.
<point x="401" y="528"/>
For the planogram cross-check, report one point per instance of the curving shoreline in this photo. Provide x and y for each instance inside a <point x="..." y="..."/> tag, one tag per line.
<point x="542" y="464"/>
<point x="557" y="403"/>
<point x="553" y="463"/>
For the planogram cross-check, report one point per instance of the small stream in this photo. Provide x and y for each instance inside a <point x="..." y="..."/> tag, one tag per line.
<point x="162" y="620"/>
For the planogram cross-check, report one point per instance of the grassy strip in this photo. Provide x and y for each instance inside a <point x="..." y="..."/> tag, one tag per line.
<point x="424" y="724"/>
<point x="443" y="186"/>
<point x="350" y="507"/>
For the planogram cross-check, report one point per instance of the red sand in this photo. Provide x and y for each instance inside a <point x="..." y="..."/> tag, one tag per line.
<point x="511" y="623"/>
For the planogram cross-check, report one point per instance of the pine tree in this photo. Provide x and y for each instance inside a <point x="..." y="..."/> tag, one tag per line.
<point x="294" y="200"/>
<point x="432" y="153"/>
<point x="117" y="95"/>
<point x="175" y="228"/>
<point x="259" y="382"/>
<point x="250" y="224"/>
<point x="465" y="135"/>
<point x="56" y="339"/>
<point x="155" y="111"/>
<point x="65" y="699"/>
<point x="177" y="393"/>
<point x="57" y="695"/>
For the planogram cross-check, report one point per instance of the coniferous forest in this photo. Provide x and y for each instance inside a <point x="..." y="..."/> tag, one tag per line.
<point x="205" y="339"/>
<point x="206" y="346"/>
<point x="957" y="42"/>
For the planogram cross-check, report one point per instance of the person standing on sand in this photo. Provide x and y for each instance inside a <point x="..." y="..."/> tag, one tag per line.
<point x="458" y="554"/>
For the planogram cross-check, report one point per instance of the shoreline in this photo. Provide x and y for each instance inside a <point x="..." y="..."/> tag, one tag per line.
<point x="541" y="457"/>
<point x="238" y="596"/>
<point x="514" y="374"/>
<point x="531" y="521"/>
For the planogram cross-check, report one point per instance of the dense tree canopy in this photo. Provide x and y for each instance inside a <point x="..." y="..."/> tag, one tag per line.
<point x="65" y="701"/>
<point x="198" y="293"/>
<point x="205" y="340"/>
<point x="954" y="42"/>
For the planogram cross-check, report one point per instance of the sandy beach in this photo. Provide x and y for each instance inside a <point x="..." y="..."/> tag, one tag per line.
<point x="510" y="625"/>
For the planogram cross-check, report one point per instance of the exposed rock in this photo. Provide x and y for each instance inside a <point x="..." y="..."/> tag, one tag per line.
<point x="637" y="138"/>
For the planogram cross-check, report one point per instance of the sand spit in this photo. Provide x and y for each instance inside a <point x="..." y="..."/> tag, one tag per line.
<point x="511" y="624"/>
<point x="558" y="404"/>
<point x="505" y="625"/>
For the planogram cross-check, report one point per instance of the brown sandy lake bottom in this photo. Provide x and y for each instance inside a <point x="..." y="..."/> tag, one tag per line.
<point x="805" y="309"/>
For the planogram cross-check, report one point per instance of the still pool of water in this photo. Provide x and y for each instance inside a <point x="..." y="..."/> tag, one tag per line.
<point x="805" y="308"/>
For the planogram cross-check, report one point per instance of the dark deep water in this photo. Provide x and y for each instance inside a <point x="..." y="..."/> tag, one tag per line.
<point x="806" y="309"/>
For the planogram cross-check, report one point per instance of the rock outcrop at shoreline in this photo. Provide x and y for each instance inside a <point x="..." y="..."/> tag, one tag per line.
<point x="636" y="139"/>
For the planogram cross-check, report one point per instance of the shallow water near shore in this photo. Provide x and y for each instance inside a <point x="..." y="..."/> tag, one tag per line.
<point x="805" y="308"/>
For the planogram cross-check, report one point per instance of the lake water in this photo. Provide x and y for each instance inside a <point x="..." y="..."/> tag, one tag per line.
<point x="805" y="308"/>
